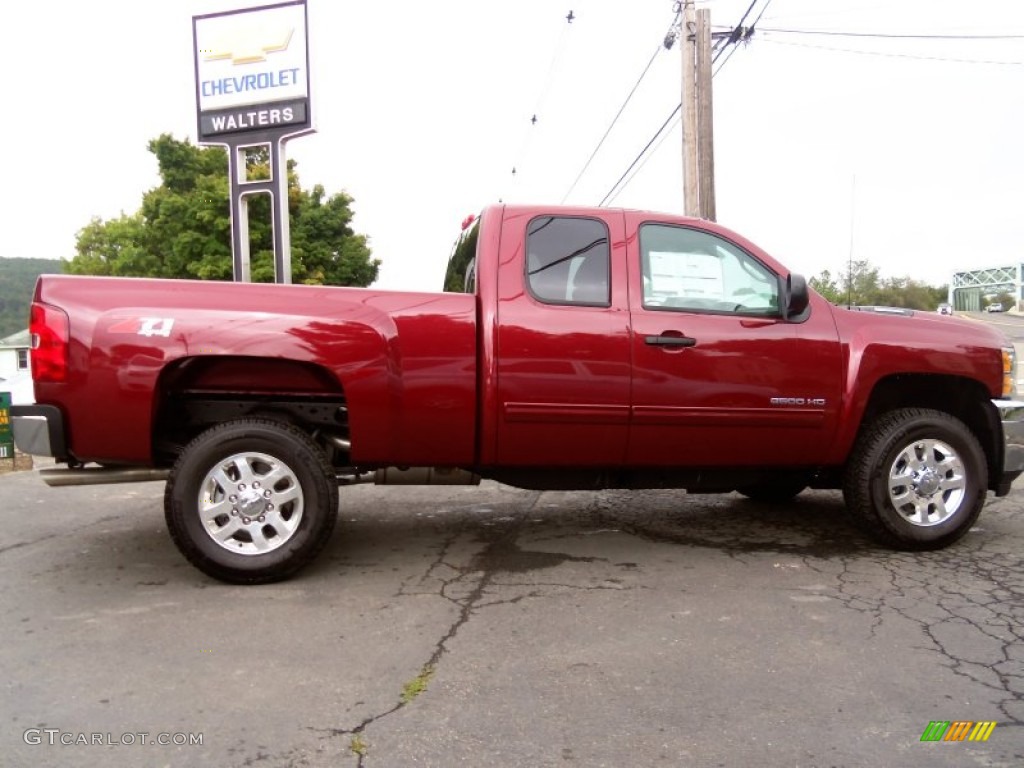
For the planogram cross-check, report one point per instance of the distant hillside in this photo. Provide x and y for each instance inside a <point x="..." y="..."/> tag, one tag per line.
<point x="17" y="278"/>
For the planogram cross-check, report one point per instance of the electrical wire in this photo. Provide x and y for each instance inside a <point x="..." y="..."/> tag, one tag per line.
<point x="749" y="9"/>
<point x="891" y="55"/>
<point x="521" y="157"/>
<point x="612" y="125"/>
<point x="763" y="9"/>
<point x="618" y="114"/>
<point x="648" y="156"/>
<point x="642" y="153"/>
<point x="735" y="41"/>
<point x="616" y="189"/>
<point x="726" y="61"/>
<point x="887" y="35"/>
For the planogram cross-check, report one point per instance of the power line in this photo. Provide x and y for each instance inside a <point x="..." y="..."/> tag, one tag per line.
<point x="642" y="153"/>
<point x="612" y="125"/>
<point x="739" y="32"/>
<point x="726" y="61"/>
<point x="765" y="8"/>
<point x="549" y="78"/>
<point x="739" y="24"/>
<point x="667" y="44"/>
<point x="888" y="35"/>
<point x="891" y="55"/>
<point x="746" y="35"/>
<point x="647" y="157"/>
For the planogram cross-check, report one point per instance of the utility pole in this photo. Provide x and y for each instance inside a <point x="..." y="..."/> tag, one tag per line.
<point x="705" y="123"/>
<point x="687" y="34"/>
<point x="698" y="130"/>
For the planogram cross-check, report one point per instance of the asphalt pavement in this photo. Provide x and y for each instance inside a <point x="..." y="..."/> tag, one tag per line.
<point x="497" y="627"/>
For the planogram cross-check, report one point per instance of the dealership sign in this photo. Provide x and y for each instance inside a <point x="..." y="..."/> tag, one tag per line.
<point x="252" y="71"/>
<point x="6" y="437"/>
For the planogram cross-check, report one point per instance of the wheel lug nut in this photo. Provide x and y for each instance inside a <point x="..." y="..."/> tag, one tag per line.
<point x="241" y="486"/>
<point x="232" y="498"/>
<point x="269" y="507"/>
<point x="262" y="518"/>
<point x="266" y="494"/>
<point x="234" y="512"/>
<point x="246" y="520"/>
<point x="256" y="484"/>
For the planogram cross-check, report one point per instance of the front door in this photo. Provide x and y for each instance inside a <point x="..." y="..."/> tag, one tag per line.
<point x="720" y="377"/>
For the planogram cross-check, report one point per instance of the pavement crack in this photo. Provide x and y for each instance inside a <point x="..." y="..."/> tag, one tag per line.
<point x="968" y="604"/>
<point x="464" y="586"/>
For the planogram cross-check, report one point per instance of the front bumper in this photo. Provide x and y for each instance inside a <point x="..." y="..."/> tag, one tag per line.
<point x="39" y="430"/>
<point x="1011" y="414"/>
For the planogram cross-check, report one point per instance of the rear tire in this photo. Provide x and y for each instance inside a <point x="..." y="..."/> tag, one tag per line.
<point x="916" y="479"/>
<point x="251" y="501"/>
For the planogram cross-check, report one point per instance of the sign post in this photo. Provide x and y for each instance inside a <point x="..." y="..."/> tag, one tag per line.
<point x="6" y="437"/>
<point x="252" y="95"/>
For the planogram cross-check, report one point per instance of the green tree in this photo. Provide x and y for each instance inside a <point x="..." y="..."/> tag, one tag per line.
<point x="17" y="281"/>
<point x="861" y="285"/>
<point x="827" y="286"/>
<point x="183" y="228"/>
<point x="1006" y="299"/>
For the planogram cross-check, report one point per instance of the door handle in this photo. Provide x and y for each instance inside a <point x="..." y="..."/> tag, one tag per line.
<point x="665" y="340"/>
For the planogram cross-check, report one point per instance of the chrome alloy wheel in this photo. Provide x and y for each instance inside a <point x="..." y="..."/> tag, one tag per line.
<point x="927" y="482"/>
<point x="250" y="503"/>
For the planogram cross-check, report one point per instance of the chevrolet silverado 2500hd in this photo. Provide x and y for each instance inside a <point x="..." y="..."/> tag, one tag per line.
<point x="593" y="348"/>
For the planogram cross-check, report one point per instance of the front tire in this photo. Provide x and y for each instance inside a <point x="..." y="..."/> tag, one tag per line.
<point x="916" y="479"/>
<point x="251" y="501"/>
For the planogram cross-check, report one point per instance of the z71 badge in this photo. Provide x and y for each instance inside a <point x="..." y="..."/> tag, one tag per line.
<point x="145" y="326"/>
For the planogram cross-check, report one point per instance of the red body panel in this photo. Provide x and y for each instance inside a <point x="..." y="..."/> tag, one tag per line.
<point x="500" y="378"/>
<point x="406" y="361"/>
<point x="563" y="372"/>
<point x="711" y="404"/>
<point x="875" y="347"/>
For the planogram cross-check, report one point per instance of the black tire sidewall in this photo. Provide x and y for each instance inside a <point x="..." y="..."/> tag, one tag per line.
<point x="281" y="442"/>
<point x="932" y="427"/>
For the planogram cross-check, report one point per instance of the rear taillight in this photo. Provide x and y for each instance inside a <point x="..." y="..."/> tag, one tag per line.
<point x="48" y="327"/>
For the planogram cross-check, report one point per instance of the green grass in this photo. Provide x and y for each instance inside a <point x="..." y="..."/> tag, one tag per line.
<point x="358" y="746"/>
<point x="417" y="685"/>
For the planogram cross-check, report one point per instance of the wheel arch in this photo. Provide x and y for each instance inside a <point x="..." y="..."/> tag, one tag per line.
<point x="966" y="399"/>
<point x="193" y="394"/>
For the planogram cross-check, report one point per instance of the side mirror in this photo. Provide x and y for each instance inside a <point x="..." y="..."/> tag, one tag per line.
<point x="798" y="298"/>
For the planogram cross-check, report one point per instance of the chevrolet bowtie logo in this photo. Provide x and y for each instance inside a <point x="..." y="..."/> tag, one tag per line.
<point x="243" y="51"/>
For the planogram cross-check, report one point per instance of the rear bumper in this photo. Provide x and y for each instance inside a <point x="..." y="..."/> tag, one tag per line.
<point x="1011" y="414"/>
<point x="39" y="430"/>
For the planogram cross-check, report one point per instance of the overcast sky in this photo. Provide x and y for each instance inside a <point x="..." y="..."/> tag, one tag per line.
<point x="423" y="109"/>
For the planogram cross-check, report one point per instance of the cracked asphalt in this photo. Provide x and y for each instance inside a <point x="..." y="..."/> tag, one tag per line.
<point x="497" y="627"/>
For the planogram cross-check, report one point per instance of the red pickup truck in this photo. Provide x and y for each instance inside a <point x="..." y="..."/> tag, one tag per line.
<point x="592" y="348"/>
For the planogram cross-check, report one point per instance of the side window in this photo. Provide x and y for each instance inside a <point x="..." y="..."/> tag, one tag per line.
<point x="567" y="261"/>
<point x="693" y="270"/>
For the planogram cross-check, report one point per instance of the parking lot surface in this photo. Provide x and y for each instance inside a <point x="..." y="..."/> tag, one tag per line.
<point x="497" y="627"/>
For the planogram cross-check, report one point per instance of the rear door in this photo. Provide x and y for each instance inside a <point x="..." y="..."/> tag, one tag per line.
<point x="562" y="345"/>
<point x="720" y="378"/>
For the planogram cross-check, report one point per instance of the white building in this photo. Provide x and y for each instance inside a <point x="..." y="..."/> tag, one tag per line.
<point x="15" y="368"/>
